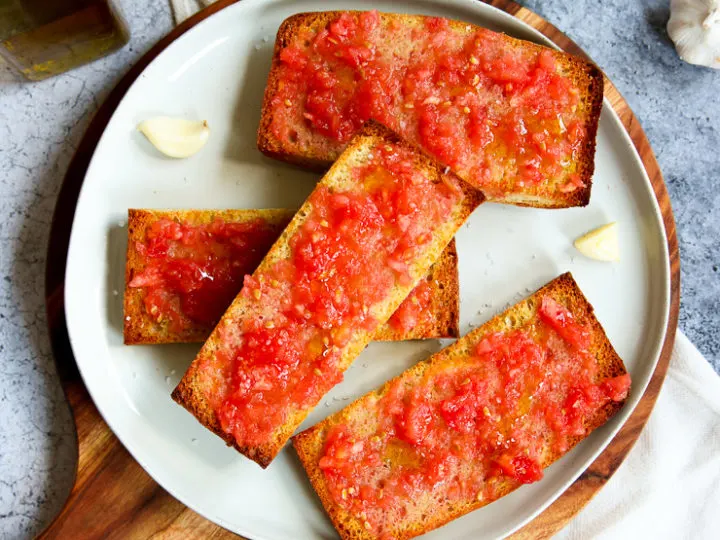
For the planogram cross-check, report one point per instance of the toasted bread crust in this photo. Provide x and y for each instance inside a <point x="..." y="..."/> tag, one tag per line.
<point x="139" y="328"/>
<point x="190" y="392"/>
<point x="310" y="443"/>
<point x="586" y="76"/>
<point x="444" y="309"/>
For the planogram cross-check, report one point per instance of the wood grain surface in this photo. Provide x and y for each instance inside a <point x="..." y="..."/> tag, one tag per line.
<point x="113" y="497"/>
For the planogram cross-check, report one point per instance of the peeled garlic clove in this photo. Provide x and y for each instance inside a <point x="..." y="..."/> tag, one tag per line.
<point x="175" y="137"/>
<point x="600" y="244"/>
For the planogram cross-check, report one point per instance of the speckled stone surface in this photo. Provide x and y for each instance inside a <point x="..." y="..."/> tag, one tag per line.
<point x="40" y="127"/>
<point x="41" y="124"/>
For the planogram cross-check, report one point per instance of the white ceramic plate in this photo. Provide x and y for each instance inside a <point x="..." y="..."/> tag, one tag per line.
<point x="217" y="71"/>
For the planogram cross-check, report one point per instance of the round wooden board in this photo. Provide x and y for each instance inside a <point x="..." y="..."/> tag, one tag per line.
<point x="113" y="497"/>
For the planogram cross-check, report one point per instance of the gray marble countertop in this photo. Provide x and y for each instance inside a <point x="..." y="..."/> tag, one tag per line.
<point x="42" y="123"/>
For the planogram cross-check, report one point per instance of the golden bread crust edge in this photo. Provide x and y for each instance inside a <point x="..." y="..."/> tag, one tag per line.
<point x="309" y="443"/>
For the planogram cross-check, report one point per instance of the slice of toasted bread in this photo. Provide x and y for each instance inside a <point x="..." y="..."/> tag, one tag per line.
<point x="289" y="132"/>
<point x="369" y="421"/>
<point x="265" y="305"/>
<point x="440" y="309"/>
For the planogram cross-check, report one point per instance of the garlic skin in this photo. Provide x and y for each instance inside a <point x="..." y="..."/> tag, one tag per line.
<point x="175" y="137"/>
<point x="694" y="27"/>
<point x="600" y="244"/>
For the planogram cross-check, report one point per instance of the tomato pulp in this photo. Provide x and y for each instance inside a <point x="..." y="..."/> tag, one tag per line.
<point x="191" y="272"/>
<point x="353" y="247"/>
<point x="503" y="116"/>
<point x="464" y="429"/>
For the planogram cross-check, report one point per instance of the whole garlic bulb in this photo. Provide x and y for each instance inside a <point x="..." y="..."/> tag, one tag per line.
<point x="694" y="27"/>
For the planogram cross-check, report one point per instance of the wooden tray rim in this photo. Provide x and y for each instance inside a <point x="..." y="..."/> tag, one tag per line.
<point x="565" y="507"/>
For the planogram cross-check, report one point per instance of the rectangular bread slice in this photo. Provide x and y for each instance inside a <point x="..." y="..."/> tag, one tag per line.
<point x="470" y="424"/>
<point x="357" y="247"/>
<point x="516" y="119"/>
<point x="220" y="247"/>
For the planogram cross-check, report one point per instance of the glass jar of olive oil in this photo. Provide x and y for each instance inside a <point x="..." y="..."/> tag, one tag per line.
<point x="42" y="38"/>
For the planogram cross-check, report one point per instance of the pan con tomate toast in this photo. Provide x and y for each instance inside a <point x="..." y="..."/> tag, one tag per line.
<point x="469" y="425"/>
<point x="364" y="238"/>
<point x="511" y="117"/>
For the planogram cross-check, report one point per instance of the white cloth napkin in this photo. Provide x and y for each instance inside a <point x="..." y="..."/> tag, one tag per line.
<point x="669" y="485"/>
